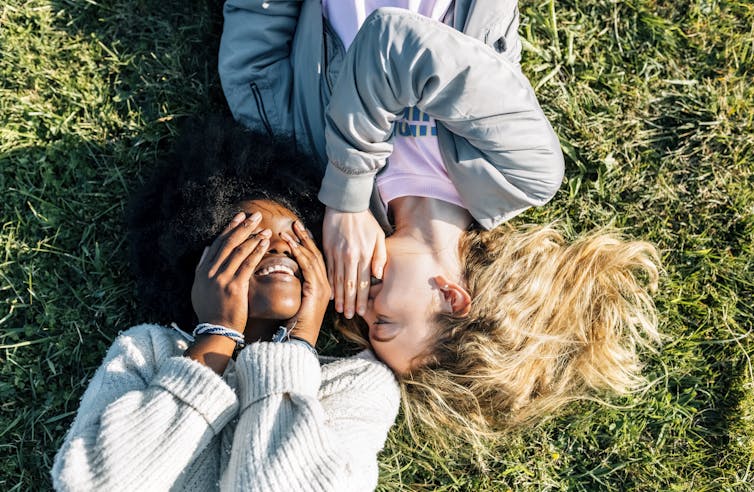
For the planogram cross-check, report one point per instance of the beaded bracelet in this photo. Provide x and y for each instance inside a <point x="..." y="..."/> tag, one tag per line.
<point x="210" y="329"/>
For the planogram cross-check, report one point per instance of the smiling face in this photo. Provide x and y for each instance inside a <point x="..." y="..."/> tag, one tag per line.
<point x="401" y="307"/>
<point x="275" y="287"/>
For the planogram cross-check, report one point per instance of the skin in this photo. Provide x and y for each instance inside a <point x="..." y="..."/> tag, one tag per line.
<point x="423" y="265"/>
<point x="230" y="288"/>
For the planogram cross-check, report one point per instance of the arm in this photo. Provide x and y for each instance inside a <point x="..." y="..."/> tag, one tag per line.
<point x="145" y="416"/>
<point x="289" y="439"/>
<point x="400" y="59"/>
<point x="253" y="62"/>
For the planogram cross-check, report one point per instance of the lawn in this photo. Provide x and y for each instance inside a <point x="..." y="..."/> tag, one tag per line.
<point x="653" y="102"/>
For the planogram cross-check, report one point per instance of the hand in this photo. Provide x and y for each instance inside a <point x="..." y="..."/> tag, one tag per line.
<point x="220" y="294"/>
<point x="355" y="247"/>
<point x="315" y="290"/>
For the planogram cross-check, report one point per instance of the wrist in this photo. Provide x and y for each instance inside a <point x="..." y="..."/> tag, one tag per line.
<point x="222" y="322"/>
<point x="213" y="351"/>
<point x="293" y="332"/>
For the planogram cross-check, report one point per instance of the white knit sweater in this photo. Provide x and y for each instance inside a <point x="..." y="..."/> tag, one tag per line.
<point x="277" y="420"/>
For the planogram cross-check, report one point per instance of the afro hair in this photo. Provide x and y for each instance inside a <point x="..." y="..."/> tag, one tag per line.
<point x="193" y="194"/>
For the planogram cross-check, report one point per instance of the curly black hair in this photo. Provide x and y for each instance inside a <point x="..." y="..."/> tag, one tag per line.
<point x="194" y="193"/>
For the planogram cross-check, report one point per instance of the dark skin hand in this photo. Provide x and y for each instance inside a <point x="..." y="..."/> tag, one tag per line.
<point x="220" y="293"/>
<point x="316" y="289"/>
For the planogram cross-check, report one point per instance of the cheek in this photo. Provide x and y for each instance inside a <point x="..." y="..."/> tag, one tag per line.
<point x="391" y="355"/>
<point x="274" y="301"/>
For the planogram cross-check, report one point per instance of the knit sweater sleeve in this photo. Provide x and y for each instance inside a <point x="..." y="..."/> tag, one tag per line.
<point x="146" y="414"/>
<point x="297" y="431"/>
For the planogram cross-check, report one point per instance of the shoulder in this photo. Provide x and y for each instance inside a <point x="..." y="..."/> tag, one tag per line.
<point x="147" y="344"/>
<point x="360" y="374"/>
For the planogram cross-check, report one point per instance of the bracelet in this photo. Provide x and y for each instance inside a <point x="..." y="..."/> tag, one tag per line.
<point x="284" y="335"/>
<point x="210" y="329"/>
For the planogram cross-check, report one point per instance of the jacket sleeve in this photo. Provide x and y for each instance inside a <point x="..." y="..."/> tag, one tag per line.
<point x="254" y="62"/>
<point x="289" y="437"/>
<point x="144" y="417"/>
<point x="400" y="59"/>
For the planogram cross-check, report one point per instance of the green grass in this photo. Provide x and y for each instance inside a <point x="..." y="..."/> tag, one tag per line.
<point x="654" y="104"/>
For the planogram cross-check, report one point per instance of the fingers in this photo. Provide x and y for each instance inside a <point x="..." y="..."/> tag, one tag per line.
<point x="227" y="241"/>
<point x="307" y="255"/>
<point x="246" y="253"/>
<point x="215" y="246"/>
<point x="362" y="293"/>
<point x="379" y="257"/>
<point x="339" y="283"/>
<point x="248" y="264"/>
<point x="331" y="276"/>
<point x="349" y="291"/>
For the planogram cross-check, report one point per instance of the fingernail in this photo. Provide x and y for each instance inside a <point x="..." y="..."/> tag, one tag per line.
<point x="266" y="233"/>
<point x="238" y="217"/>
<point x="349" y="314"/>
<point x="256" y="216"/>
<point x="361" y="311"/>
<point x="379" y="273"/>
<point x="264" y="243"/>
<point x="299" y="225"/>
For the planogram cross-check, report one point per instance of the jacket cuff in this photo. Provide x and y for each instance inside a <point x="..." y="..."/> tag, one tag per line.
<point x="200" y="388"/>
<point x="266" y="369"/>
<point x="346" y="192"/>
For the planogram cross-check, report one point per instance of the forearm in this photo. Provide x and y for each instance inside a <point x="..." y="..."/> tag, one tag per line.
<point x="287" y="436"/>
<point x="399" y="59"/>
<point x="142" y="421"/>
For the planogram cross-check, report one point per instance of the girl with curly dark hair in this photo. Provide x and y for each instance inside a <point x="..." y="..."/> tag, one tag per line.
<point x="217" y="238"/>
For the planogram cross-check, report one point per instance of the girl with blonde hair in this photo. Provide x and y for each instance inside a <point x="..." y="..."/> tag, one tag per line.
<point x="431" y="138"/>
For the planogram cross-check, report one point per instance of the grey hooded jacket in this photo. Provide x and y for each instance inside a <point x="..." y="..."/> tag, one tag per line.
<point x="285" y="71"/>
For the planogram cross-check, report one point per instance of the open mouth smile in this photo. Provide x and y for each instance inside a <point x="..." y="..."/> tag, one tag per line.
<point x="278" y="267"/>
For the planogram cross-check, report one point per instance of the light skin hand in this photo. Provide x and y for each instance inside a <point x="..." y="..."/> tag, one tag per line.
<point x="354" y="244"/>
<point x="315" y="289"/>
<point x="220" y="293"/>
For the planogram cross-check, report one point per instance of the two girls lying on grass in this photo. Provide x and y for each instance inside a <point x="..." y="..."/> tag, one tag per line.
<point x="428" y="132"/>
<point x="217" y="246"/>
<point x="484" y="325"/>
<point x="217" y="240"/>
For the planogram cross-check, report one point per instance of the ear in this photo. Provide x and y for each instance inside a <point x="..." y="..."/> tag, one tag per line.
<point x="455" y="298"/>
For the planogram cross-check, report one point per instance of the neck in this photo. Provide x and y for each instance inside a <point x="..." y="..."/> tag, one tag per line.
<point x="261" y="329"/>
<point x="435" y="223"/>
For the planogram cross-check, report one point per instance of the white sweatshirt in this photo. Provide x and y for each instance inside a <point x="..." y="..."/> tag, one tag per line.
<point x="152" y="419"/>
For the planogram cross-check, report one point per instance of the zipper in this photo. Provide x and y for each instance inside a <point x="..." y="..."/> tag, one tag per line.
<point x="260" y="107"/>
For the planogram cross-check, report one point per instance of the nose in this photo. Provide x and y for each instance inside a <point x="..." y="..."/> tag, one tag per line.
<point x="278" y="246"/>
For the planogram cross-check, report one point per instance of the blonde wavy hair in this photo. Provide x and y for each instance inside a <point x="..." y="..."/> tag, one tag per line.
<point x="551" y="321"/>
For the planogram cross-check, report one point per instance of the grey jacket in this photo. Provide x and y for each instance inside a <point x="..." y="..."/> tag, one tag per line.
<point x="285" y="71"/>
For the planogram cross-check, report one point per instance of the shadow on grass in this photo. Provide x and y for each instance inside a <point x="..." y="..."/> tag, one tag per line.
<point x="81" y="146"/>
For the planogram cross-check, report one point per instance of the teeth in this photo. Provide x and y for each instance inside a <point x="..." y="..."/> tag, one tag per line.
<point x="275" y="269"/>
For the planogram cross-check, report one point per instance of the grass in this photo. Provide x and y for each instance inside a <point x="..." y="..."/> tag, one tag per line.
<point x="654" y="105"/>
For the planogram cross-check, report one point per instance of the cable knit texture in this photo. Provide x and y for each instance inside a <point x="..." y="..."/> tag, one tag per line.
<point x="152" y="419"/>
